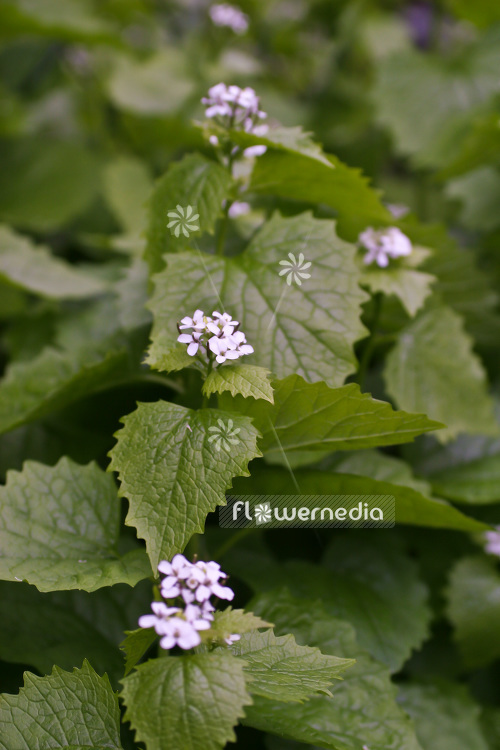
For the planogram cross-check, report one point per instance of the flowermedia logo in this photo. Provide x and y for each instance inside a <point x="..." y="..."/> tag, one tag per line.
<point x="313" y="511"/>
<point x="224" y="435"/>
<point x="183" y="219"/>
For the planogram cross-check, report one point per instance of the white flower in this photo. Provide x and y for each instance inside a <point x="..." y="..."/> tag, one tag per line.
<point x="197" y="617"/>
<point x="238" y="208"/>
<point x="161" y="617"/>
<point x="295" y="270"/>
<point x="224" y="14"/>
<point x="254" y="151"/>
<point x="235" y="108"/>
<point x="384" y="244"/>
<point x="492" y="539"/>
<point x="192" y="340"/>
<point x="183" y="219"/>
<point x="232" y="639"/>
<point x="180" y="633"/>
<point x="198" y="321"/>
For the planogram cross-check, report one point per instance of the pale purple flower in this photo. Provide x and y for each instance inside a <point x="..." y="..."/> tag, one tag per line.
<point x="384" y="244"/>
<point x="179" y="632"/>
<point x="232" y="639"/>
<point x="160" y="618"/>
<point x="192" y="340"/>
<point x="238" y="208"/>
<point x="492" y="539"/>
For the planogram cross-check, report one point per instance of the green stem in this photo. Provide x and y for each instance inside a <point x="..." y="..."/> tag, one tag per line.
<point x="222" y="230"/>
<point x="241" y="534"/>
<point x="206" y="399"/>
<point x="372" y="341"/>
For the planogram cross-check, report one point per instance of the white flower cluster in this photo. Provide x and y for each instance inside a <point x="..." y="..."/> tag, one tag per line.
<point x="219" y="334"/>
<point x="383" y="244"/>
<point x="191" y="585"/>
<point x="492" y="539"/>
<point x="224" y="14"/>
<point x="236" y="109"/>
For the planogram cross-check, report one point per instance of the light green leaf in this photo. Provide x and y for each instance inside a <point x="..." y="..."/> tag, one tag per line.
<point x="73" y="20"/>
<point x="54" y="379"/>
<point x="410" y="286"/>
<point x="311" y="417"/>
<point x="35" y="270"/>
<point x="135" y="645"/>
<point x="59" y="529"/>
<point x="482" y="12"/>
<point x="295" y="167"/>
<point x="74" y="710"/>
<point x="475" y="483"/>
<point x="317" y="343"/>
<point x="281" y="670"/>
<point x="474" y="609"/>
<point x="45" y="184"/>
<point x="245" y="380"/>
<point x="232" y="621"/>
<point x="195" y="181"/>
<point x="479" y="193"/>
<point x="175" y="465"/>
<point x="407" y="81"/>
<point x="445" y="716"/>
<point x="433" y="369"/>
<point x="379" y="466"/>
<point x="373" y="584"/>
<point x="190" y="702"/>
<point x="158" y="85"/>
<point x="127" y="185"/>
<point x="362" y="711"/>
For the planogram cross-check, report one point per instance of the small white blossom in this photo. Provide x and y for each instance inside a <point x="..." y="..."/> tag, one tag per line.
<point x="235" y="108"/>
<point x="161" y="617"/>
<point x="492" y="539"/>
<point x="232" y="639"/>
<point x="383" y="244"/>
<point x="218" y="334"/>
<point x="238" y="208"/>
<point x="181" y="633"/>
<point x="224" y="14"/>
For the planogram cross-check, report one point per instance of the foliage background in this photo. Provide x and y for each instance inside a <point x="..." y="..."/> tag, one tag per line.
<point x="99" y="100"/>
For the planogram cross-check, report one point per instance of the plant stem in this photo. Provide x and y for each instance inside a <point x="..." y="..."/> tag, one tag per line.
<point x="222" y="230"/>
<point x="206" y="399"/>
<point x="370" y="346"/>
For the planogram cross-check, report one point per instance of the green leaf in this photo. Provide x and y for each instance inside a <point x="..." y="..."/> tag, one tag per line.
<point x="74" y="710"/>
<point x="482" y="12"/>
<point x="311" y="417"/>
<point x="246" y="380"/>
<point x="44" y="184"/>
<point x="54" y="379"/>
<point x="317" y="343"/>
<point x="362" y="711"/>
<point x="475" y="483"/>
<point x="379" y="466"/>
<point x="433" y="369"/>
<point x="127" y="185"/>
<point x="191" y="701"/>
<point x="460" y="83"/>
<point x="281" y="670"/>
<point x="445" y="716"/>
<point x="135" y="645"/>
<point x="34" y="269"/>
<point x="474" y="609"/>
<point x="231" y="621"/>
<point x="195" y="181"/>
<point x="158" y="85"/>
<point x="415" y="507"/>
<point x="59" y="529"/>
<point x="366" y="579"/>
<point x="173" y="474"/>
<point x="478" y="192"/>
<point x="295" y="167"/>
<point x="66" y="627"/>
<point x="410" y="286"/>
